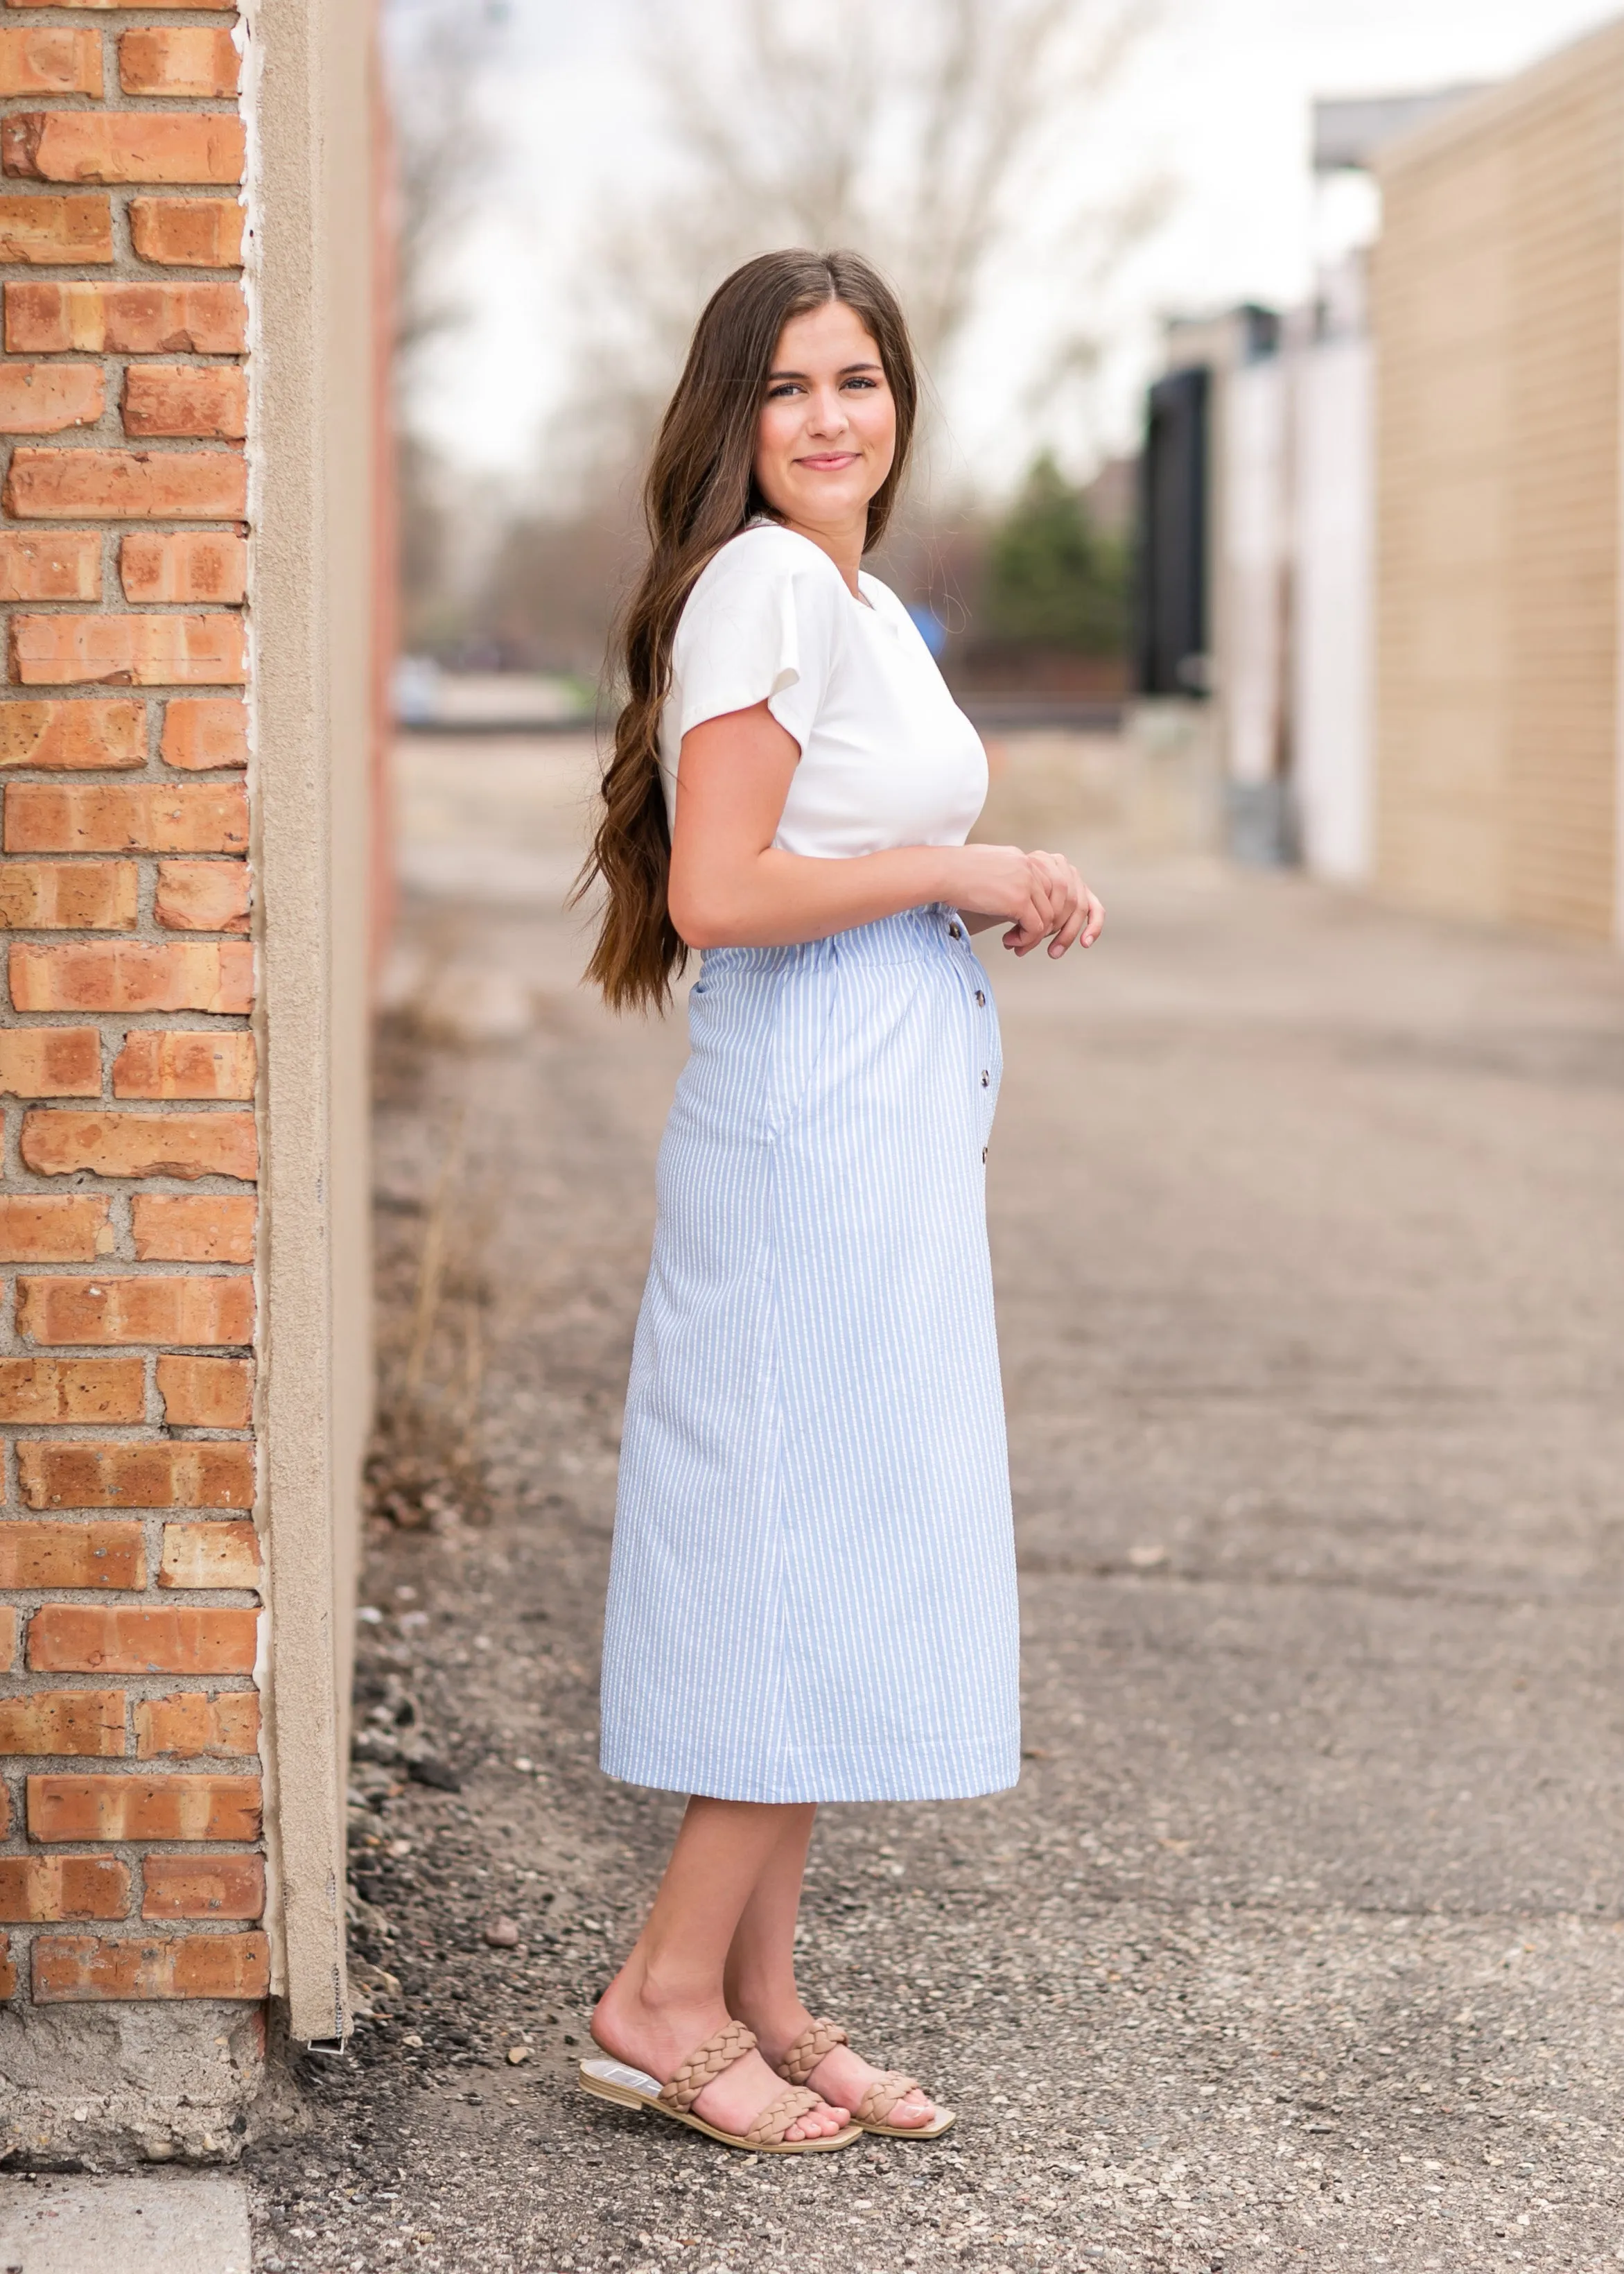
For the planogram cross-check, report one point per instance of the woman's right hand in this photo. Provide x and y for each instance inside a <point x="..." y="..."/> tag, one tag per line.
<point x="1035" y="893"/>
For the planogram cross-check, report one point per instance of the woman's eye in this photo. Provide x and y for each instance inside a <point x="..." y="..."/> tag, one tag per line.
<point x="784" y="388"/>
<point x="862" y="382"/>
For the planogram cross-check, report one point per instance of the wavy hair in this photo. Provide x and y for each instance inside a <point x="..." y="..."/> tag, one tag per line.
<point x="700" y="490"/>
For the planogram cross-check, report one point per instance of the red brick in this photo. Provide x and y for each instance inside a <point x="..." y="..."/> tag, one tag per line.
<point x="50" y="564"/>
<point x="203" y="1472"/>
<point x="35" y="1228"/>
<point x="66" y="1142"/>
<point x="65" y="1806"/>
<point x="63" y="1721"/>
<point x="203" y="731"/>
<point x="44" y="1889"/>
<point x="122" y="146"/>
<point x="51" y="1061"/>
<point x="45" y="398"/>
<point x="203" y="1887"/>
<point x="47" y="484"/>
<point x="5" y="1818"/>
<point x="74" y="736"/>
<point x="200" y="1393"/>
<point x="190" y="564"/>
<point x="158" y="817"/>
<point x="189" y="1722"/>
<point x="182" y="232"/>
<point x="164" y="1062"/>
<point x="41" y="60"/>
<point x="99" y="1638"/>
<point x="143" y="1310"/>
<point x="8" y="1969"/>
<point x="190" y="62"/>
<point x="45" y="230"/>
<point x="132" y="976"/>
<point x="68" y="895"/>
<point x="174" y="1228"/>
<point x="129" y="651"/>
<point x="212" y="1555"/>
<point x="8" y="1660"/>
<point x="206" y="402"/>
<point x="203" y="895"/>
<point x="81" y="1969"/>
<point x="35" y="1391"/>
<point x="70" y="1555"/>
<point x="151" y="318"/>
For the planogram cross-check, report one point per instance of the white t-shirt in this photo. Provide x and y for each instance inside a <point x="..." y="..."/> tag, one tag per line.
<point x="887" y="758"/>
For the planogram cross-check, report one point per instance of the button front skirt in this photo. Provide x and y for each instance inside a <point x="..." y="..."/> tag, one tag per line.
<point x="812" y="1593"/>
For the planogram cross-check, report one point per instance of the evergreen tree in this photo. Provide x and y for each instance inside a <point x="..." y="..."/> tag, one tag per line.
<point x="1054" y="578"/>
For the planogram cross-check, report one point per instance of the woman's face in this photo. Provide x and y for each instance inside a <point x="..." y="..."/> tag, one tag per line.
<point x="828" y="429"/>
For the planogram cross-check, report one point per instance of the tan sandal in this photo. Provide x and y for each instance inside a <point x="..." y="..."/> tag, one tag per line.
<point x="633" y="2088"/>
<point x="821" y="2036"/>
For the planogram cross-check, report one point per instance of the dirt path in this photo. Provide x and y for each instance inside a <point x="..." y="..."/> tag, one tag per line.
<point x="1300" y="1944"/>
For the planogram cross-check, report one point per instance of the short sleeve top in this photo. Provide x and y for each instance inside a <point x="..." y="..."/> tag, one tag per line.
<point x="887" y="758"/>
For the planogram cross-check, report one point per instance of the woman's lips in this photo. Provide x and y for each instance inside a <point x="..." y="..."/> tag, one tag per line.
<point x="830" y="462"/>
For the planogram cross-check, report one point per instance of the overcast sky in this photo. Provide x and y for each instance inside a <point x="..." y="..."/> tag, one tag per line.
<point x="1217" y="100"/>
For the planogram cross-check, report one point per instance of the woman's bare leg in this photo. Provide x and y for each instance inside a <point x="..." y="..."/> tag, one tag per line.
<point x="759" y="1979"/>
<point x="670" y="1995"/>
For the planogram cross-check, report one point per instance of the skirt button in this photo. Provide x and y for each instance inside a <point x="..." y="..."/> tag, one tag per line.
<point x="983" y="1152"/>
<point x="954" y="932"/>
<point x="980" y="999"/>
<point x="986" y="1079"/>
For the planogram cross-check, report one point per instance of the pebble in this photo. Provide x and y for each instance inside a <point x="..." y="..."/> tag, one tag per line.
<point x="502" y="1933"/>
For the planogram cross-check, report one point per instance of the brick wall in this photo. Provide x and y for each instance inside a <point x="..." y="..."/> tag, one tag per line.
<point x="130" y="1806"/>
<point x="1497" y="318"/>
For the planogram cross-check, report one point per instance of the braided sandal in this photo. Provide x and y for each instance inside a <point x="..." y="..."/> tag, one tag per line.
<point x="634" y="2088"/>
<point x="821" y="2036"/>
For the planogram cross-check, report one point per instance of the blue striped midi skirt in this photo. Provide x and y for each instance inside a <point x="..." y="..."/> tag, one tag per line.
<point x="812" y="1590"/>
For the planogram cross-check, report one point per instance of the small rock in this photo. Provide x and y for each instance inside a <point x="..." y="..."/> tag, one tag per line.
<point x="517" y="2054"/>
<point x="1146" y="1559"/>
<point x="502" y="1933"/>
<point x="439" y="1773"/>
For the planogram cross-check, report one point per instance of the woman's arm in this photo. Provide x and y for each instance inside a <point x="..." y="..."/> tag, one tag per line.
<point x="731" y="887"/>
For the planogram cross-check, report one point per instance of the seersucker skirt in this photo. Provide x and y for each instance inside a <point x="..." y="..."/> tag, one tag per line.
<point x="812" y="1590"/>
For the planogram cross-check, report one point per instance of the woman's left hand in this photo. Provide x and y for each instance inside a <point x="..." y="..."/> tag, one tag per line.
<point x="1076" y="914"/>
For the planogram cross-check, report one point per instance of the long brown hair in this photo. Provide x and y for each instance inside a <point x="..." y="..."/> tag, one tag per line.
<point x="700" y="491"/>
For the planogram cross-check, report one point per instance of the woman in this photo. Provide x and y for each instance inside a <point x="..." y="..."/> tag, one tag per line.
<point x="812" y="1594"/>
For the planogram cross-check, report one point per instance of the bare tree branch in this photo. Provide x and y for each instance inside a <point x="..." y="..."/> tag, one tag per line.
<point x="929" y="134"/>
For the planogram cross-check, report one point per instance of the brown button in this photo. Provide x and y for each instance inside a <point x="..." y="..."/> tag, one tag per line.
<point x="986" y="1079"/>
<point x="983" y="1152"/>
<point x="980" y="997"/>
<point x="953" y="932"/>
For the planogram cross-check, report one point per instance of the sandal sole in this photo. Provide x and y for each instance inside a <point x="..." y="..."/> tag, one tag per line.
<point x="626" y="2095"/>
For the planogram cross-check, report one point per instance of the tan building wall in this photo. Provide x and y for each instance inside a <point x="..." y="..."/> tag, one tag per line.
<point x="186" y="563"/>
<point x="1497" y="318"/>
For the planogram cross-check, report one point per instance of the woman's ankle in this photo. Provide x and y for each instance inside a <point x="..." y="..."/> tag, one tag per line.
<point x="776" y="2014"/>
<point x="657" y="1991"/>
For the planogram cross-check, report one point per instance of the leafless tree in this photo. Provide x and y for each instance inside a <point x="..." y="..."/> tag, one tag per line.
<point x="438" y="55"/>
<point x="933" y="135"/>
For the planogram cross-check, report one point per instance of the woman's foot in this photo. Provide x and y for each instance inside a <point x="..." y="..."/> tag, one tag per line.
<point x="842" y="2075"/>
<point x="633" y="2023"/>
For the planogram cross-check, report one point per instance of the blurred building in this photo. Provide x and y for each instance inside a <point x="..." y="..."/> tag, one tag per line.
<point x="1381" y="534"/>
<point x="1256" y="555"/>
<point x="1496" y="305"/>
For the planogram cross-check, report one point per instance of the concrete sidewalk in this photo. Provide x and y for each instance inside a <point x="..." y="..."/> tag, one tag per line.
<point x="1300" y="1944"/>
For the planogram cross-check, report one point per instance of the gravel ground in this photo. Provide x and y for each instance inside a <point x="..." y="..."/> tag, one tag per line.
<point x="1300" y="1943"/>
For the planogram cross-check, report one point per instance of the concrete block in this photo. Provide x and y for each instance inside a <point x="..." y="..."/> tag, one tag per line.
<point x="60" y="2225"/>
